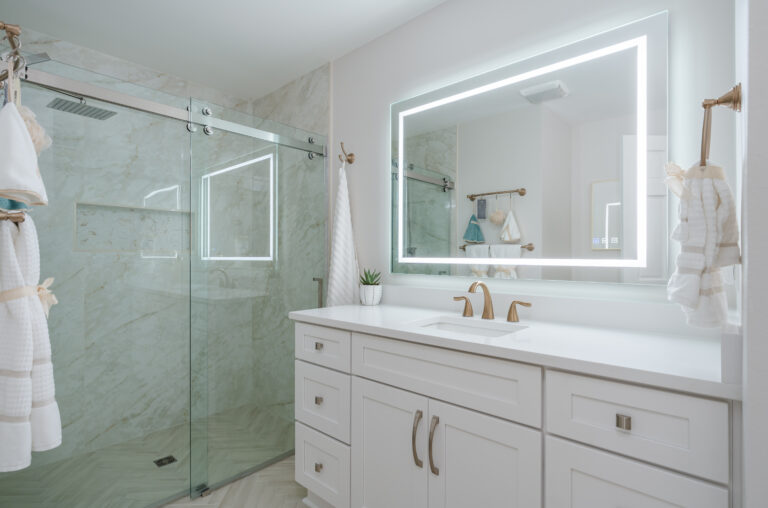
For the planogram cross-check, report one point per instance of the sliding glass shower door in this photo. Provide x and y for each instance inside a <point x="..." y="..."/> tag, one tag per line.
<point x="258" y="242"/>
<point x="115" y="236"/>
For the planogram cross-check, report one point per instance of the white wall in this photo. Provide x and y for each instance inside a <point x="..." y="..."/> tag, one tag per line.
<point x="484" y="169"/>
<point x="753" y="72"/>
<point x="462" y="38"/>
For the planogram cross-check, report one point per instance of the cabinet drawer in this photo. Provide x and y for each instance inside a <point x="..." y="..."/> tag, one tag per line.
<point x="498" y="387"/>
<point x="324" y="346"/>
<point x="580" y="477"/>
<point x="322" y="466"/>
<point x="689" y="434"/>
<point x="322" y="399"/>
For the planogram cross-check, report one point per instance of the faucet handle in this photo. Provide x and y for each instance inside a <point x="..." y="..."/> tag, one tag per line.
<point x="512" y="316"/>
<point x="468" y="312"/>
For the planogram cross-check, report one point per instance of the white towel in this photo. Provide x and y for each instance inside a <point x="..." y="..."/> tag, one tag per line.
<point x="709" y="234"/>
<point x="29" y="414"/>
<point x="20" y="178"/>
<point x="478" y="250"/>
<point x="510" y="231"/>
<point x="505" y="250"/>
<point x="343" y="275"/>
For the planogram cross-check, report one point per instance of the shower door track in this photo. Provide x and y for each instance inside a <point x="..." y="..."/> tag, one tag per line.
<point x="87" y="90"/>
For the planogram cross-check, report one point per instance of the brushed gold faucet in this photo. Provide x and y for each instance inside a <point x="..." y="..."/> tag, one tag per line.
<point x="468" y="311"/>
<point x="487" y="302"/>
<point x="512" y="316"/>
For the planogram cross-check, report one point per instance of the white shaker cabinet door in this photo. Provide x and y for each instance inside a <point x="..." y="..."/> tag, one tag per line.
<point x="389" y="462"/>
<point x="582" y="477"/>
<point x="481" y="461"/>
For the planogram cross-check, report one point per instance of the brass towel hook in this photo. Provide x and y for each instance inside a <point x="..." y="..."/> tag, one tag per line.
<point x="732" y="99"/>
<point x="349" y="158"/>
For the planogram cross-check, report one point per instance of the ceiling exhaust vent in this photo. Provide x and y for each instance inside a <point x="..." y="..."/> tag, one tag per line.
<point x="81" y="108"/>
<point x="543" y="92"/>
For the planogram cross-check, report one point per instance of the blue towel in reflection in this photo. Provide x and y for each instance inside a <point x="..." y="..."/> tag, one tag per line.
<point x="11" y="205"/>
<point x="473" y="233"/>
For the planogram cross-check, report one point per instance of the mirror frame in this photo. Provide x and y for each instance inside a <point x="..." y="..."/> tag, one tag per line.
<point x="632" y="36"/>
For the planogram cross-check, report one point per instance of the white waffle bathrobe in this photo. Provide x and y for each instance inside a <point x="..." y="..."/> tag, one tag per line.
<point x="709" y="234"/>
<point x="29" y="414"/>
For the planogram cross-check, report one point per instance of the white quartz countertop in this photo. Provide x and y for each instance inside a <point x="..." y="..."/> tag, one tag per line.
<point x="684" y="363"/>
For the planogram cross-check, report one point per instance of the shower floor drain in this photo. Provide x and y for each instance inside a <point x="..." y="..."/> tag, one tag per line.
<point x="170" y="459"/>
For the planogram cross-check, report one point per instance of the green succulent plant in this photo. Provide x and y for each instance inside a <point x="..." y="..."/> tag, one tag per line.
<point x="370" y="278"/>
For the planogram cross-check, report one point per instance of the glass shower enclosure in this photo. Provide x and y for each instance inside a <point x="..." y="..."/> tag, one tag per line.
<point x="178" y="251"/>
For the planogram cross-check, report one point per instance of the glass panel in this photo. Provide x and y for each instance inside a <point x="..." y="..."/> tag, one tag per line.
<point x="429" y="231"/>
<point x="259" y="216"/>
<point x="116" y="238"/>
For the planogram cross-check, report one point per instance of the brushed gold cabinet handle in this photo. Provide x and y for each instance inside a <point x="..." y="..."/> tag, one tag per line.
<point x="318" y="467"/>
<point x="432" y="426"/>
<point x="318" y="346"/>
<point x="318" y="400"/>
<point x="416" y="419"/>
<point x="623" y="422"/>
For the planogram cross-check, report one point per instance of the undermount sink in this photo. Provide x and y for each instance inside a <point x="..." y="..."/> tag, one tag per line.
<point x="468" y="327"/>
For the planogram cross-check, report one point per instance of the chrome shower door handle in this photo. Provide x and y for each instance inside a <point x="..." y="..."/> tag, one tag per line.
<point x="416" y="419"/>
<point x="435" y="470"/>
<point x="319" y="281"/>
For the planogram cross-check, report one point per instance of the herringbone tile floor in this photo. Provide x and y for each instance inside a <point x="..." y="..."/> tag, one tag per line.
<point x="272" y="487"/>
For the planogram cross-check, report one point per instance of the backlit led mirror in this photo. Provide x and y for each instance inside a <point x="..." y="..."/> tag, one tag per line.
<point x="548" y="163"/>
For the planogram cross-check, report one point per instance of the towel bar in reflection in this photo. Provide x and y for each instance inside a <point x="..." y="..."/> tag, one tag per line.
<point x="528" y="246"/>
<point x="520" y="191"/>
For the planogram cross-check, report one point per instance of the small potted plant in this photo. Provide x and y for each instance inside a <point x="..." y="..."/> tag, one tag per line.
<point x="370" y="287"/>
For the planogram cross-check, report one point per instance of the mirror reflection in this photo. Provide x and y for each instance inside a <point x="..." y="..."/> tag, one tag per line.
<point x="534" y="168"/>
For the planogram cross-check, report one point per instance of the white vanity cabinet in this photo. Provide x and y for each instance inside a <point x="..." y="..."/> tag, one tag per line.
<point x="385" y="423"/>
<point x="389" y="460"/>
<point x="578" y="476"/>
<point x="413" y="451"/>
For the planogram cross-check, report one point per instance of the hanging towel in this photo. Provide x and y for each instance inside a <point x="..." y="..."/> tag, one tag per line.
<point x="505" y="250"/>
<point x="40" y="139"/>
<point x="473" y="232"/>
<point x="478" y="251"/>
<point x="20" y="178"/>
<point x="9" y="205"/>
<point x="343" y="282"/>
<point x="29" y="414"/>
<point x="510" y="232"/>
<point x="708" y="233"/>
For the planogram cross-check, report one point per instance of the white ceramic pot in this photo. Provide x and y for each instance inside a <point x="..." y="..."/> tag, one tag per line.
<point x="370" y="295"/>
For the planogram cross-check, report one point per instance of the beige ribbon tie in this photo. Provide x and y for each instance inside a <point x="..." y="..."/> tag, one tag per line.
<point x="47" y="298"/>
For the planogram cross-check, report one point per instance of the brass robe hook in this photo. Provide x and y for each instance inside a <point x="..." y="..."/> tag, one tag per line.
<point x="349" y="158"/>
<point x="731" y="99"/>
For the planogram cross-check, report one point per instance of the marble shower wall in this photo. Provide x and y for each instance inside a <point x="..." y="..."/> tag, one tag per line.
<point x="303" y="103"/>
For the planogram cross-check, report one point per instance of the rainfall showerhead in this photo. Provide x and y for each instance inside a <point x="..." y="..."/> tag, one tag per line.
<point x="37" y="58"/>
<point x="81" y="108"/>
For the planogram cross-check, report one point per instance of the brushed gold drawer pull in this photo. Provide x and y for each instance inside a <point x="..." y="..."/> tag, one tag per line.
<point x="623" y="422"/>
<point x="318" y="400"/>
<point x="319" y="346"/>
<point x="318" y="467"/>
<point x="435" y="470"/>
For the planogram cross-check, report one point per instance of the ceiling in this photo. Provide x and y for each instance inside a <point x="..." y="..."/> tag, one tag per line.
<point x="246" y="48"/>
